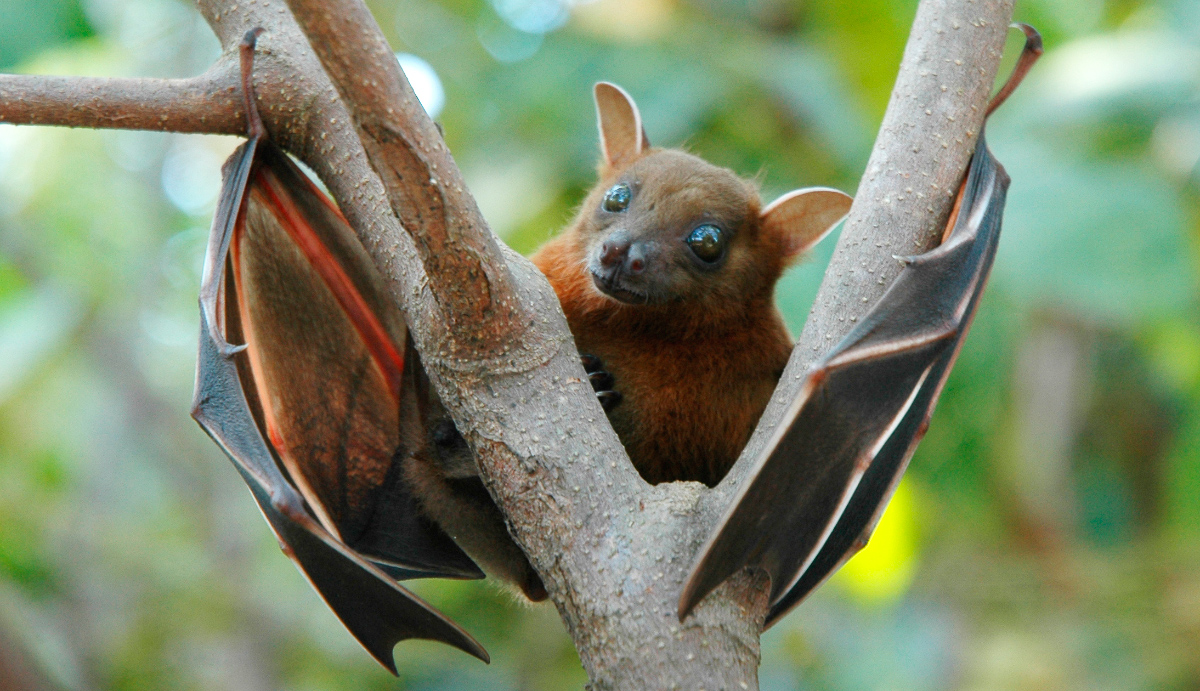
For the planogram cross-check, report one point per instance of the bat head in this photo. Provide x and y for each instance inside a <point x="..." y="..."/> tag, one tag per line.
<point x="664" y="226"/>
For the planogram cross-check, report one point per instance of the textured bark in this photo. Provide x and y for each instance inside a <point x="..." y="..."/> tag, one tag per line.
<point x="210" y="103"/>
<point x="426" y="191"/>
<point x="612" y="550"/>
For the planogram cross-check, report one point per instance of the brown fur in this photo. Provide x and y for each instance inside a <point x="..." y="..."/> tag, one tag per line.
<point x="696" y="365"/>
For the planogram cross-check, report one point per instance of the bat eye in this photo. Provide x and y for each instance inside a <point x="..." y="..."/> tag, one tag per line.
<point x="707" y="242"/>
<point x="617" y="198"/>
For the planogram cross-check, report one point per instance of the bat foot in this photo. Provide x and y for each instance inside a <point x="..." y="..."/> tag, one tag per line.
<point x="446" y="436"/>
<point x="602" y="382"/>
<point x="533" y="587"/>
<point x="608" y="399"/>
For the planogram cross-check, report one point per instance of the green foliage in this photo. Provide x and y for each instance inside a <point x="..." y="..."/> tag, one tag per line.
<point x="1048" y="532"/>
<point x="30" y="27"/>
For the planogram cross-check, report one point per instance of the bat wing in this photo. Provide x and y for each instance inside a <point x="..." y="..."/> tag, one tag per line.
<point x="817" y="491"/>
<point x="316" y="408"/>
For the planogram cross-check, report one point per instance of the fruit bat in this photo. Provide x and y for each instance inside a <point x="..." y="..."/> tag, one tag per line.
<point x="667" y="277"/>
<point x="816" y="492"/>
<point x="323" y="407"/>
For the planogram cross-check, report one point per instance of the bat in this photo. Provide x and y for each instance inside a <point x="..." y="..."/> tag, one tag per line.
<point x="817" y="491"/>
<point x="667" y="278"/>
<point x="324" y="410"/>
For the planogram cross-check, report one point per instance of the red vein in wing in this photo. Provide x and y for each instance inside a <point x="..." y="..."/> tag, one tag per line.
<point x="264" y="395"/>
<point x="376" y="338"/>
<point x="954" y="211"/>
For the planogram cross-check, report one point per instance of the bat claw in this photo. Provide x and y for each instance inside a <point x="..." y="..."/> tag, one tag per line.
<point x="224" y="347"/>
<point x="601" y="380"/>
<point x="228" y="350"/>
<point x="608" y="399"/>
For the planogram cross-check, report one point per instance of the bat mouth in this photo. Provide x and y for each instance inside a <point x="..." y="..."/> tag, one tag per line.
<point x="615" y="288"/>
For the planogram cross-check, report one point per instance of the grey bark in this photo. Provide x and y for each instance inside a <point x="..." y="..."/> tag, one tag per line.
<point x="210" y="103"/>
<point x="612" y="550"/>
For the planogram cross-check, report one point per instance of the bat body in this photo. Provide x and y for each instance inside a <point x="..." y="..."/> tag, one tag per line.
<point x="308" y="380"/>
<point x="668" y="276"/>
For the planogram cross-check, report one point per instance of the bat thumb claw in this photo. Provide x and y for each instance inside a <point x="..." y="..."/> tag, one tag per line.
<point x="228" y="350"/>
<point x="251" y="37"/>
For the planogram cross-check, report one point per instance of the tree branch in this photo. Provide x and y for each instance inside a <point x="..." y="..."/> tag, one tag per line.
<point x="468" y="275"/>
<point x="209" y="103"/>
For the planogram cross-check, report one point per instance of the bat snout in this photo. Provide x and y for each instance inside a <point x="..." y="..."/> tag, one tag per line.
<point x="618" y="267"/>
<point x="619" y="253"/>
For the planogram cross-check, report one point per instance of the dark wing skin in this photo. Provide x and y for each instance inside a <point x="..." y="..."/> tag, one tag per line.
<point x="316" y="409"/>
<point x="878" y="483"/>
<point x="817" y="491"/>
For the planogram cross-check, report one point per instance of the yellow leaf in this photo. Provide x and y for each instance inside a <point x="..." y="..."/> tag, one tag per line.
<point x="883" y="571"/>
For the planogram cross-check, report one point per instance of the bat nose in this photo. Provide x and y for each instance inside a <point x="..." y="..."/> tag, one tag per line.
<point x="614" y="251"/>
<point x="619" y="252"/>
<point x="635" y="259"/>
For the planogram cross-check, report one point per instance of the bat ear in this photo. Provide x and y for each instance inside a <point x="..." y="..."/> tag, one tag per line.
<point x="800" y="218"/>
<point x="622" y="138"/>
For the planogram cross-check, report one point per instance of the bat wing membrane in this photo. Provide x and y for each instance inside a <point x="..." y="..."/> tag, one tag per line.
<point x="817" y="491"/>
<point x="316" y="410"/>
<point x="987" y="183"/>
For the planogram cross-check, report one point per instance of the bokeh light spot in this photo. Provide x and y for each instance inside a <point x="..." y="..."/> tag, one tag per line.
<point x="425" y="82"/>
<point x="884" y="569"/>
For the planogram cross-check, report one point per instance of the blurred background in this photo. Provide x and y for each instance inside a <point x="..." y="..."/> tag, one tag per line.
<point x="1047" y="535"/>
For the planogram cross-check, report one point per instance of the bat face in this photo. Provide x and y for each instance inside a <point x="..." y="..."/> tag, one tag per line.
<point x="666" y="227"/>
<point x="673" y="228"/>
<point x="301" y="380"/>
